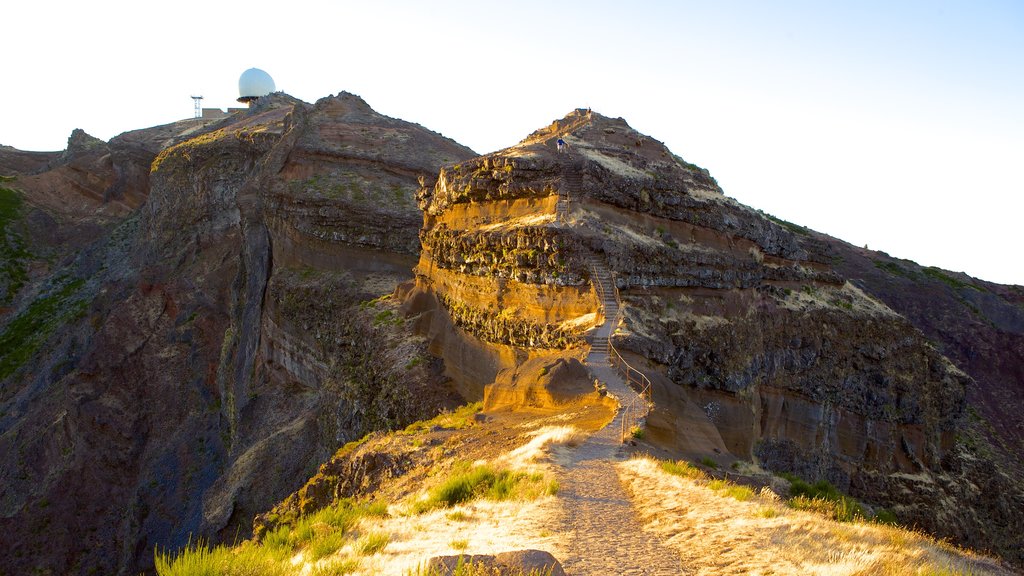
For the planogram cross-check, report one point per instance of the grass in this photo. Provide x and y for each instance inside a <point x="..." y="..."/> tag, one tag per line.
<point x="462" y="417"/>
<point x="637" y="432"/>
<point x="794" y="228"/>
<point x="28" y="331"/>
<point x="762" y="536"/>
<point x="325" y="546"/>
<point x="940" y="275"/>
<point x="488" y="483"/>
<point x="709" y="463"/>
<point x="372" y="543"/>
<point x="198" y="559"/>
<point x="684" y="469"/>
<point x="894" y="268"/>
<point x="735" y="491"/>
<point x="340" y="568"/>
<point x="822" y="497"/>
<point x="459" y="545"/>
<point x="318" y="535"/>
<point x="13" y="270"/>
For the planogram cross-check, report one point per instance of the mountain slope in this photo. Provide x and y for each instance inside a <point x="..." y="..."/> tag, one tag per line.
<point x="224" y="328"/>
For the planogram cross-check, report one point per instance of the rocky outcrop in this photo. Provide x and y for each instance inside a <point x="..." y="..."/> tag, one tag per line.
<point x="222" y="339"/>
<point x="501" y="564"/>
<point x="758" y="345"/>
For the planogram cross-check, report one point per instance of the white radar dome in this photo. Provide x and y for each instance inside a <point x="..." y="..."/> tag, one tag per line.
<point x="254" y="83"/>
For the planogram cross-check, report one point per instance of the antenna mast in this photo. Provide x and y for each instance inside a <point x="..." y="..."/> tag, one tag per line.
<point x="199" y="106"/>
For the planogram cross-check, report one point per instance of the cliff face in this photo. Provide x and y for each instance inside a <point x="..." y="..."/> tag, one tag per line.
<point x="221" y="340"/>
<point x="758" y="346"/>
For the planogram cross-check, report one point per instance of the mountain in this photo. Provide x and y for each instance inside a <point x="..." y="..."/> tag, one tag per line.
<point x="214" y="316"/>
<point x="201" y="314"/>
<point x="763" y="341"/>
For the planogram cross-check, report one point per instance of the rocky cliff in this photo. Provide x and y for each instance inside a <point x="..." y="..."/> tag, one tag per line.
<point x="759" y="345"/>
<point x="222" y="333"/>
<point x="198" y="315"/>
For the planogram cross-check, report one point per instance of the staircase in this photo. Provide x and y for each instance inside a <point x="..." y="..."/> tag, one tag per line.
<point x="629" y="385"/>
<point x="573" y="180"/>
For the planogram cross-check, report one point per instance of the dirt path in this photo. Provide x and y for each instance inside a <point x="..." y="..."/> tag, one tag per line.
<point x="605" y="532"/>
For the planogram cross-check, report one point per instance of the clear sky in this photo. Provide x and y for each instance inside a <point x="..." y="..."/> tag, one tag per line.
<point x="896" y="124"/>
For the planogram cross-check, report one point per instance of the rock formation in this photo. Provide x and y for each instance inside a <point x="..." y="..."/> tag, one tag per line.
<point x="220" y="336"/>
<point x="758" y="346"/>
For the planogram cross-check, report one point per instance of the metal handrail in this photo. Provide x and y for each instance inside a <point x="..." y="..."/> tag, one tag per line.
<point x="638" y="406"/>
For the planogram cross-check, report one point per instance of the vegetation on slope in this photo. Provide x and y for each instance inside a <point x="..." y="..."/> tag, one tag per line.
<point x="27" y="331"/>
<point x="338" y="538"/>
<point x="13" y="254"/>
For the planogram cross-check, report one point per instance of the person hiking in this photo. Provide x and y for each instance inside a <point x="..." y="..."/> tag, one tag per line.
<point x="561" y="145"/>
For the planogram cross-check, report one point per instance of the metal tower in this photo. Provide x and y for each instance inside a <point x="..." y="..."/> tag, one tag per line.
<point x="199" y="106"/>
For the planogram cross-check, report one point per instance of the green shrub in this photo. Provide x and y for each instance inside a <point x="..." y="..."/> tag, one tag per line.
<point x="709" y="463"/>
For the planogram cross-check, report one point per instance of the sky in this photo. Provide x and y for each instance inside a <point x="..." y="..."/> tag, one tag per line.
<point x="898" y="125"/>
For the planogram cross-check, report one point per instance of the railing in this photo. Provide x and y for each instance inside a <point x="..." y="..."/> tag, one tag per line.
<point x="638" y="407"/>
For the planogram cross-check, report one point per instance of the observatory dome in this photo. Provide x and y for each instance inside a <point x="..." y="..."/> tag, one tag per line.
<point x="254" y="83"/>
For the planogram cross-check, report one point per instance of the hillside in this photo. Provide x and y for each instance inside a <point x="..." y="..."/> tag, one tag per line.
<point x="280" y="283"/>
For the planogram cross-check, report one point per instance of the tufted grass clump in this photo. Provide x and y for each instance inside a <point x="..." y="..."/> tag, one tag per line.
<point x="824" y="498"/>
<point x="707" y="461"/>
<point x="199" y="559"/>
<point x="488" y="483"/>
<point x="372" y="543"/>
<point x="683" y="468"/>
<point x="735" y="491"/>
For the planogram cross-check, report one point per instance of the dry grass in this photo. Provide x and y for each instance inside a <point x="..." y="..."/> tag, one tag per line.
<point x="479" y="526"/>
<point x="758" y="534"/>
